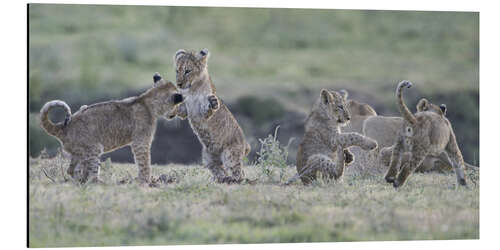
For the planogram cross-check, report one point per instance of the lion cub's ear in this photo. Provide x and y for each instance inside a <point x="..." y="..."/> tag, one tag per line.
<point x="443" y="108"/>
<point x="203" y="56"/>
<point x="178" y="54"/>
<point x="157" y="80"/>
<point x="326" y="97"/>
<point x="423" y="105"/>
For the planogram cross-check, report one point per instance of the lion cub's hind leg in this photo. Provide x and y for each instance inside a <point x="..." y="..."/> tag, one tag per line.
<point x="232" y="159"/>
<point x="394" y="161"/>
<point x="92" y="167"/>
<point x="409" y="163"/>
<point x="457" y="159"/>
<point x="72" y="165"/>
<point x="214" y="164"/>
<point x="315" y="163"/>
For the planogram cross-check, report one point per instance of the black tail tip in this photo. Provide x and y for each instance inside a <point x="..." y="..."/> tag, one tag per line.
<point x="178" y="98"/>
<point x="156" y="77"/>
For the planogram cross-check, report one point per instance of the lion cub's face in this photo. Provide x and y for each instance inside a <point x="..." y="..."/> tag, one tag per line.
<point x="166" y="98"/>
<point x="334" y="106"/>
<point x="189" y="66"/>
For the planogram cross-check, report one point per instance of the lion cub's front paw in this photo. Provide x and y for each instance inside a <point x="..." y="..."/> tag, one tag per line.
<point x="213" y="102"/>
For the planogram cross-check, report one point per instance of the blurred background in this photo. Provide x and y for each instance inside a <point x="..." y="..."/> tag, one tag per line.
<point x="268" y="65"/>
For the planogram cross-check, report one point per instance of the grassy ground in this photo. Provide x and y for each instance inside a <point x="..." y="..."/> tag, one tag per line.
<point x="194" y="210"/>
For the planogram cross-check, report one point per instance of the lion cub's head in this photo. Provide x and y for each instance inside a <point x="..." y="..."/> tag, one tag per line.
<point x="333" y="107"/>
<point x="189" y="67"/>
<point x="425" y="105"/>
<point x="164" y="97"/>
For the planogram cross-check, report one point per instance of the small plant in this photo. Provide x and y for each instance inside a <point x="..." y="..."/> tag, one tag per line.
<point x="272" y="156"/>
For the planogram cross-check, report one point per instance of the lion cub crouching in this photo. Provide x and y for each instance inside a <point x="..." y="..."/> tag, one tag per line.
<point x="104" y="127"/>
<point x="222" y="139"/>
<point x="324" y="147"/>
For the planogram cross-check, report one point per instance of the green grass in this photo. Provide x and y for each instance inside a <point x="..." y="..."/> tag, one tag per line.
<point x="194" y="210"/>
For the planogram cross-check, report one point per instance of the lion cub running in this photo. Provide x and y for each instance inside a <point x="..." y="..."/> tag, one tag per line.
<point x="425" y="133"/>
<point x="223" y="141"/>
<point x="106" y="126"/>
<point x="324" y="147"/>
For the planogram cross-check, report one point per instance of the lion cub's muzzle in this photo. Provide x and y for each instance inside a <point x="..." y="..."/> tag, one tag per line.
<point x="178" y="98"/>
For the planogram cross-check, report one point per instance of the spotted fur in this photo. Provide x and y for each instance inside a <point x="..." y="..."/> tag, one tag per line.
<point x="425" y="133"/>
<point x="223" y="142"/>
<point x="324" y="147"/>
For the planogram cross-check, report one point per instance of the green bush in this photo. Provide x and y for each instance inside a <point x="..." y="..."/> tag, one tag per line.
<point x="272" y="158"/>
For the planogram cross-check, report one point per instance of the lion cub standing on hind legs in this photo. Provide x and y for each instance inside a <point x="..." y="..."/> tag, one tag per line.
<point x="324" y="147"/>
<point x="223" y="141"/>
<point x="423" y="134"/>
<point x="106" y="126"/>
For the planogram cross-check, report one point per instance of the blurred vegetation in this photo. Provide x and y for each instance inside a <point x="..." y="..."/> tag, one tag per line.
<point x="84" y="53"/>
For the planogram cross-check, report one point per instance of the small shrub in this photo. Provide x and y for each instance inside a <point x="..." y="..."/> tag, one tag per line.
<point x="272" y="157"/>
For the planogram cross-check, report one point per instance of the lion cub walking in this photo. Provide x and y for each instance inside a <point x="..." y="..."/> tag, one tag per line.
<point x="324" y="147"/>
<point x="106" y="126"/>
<point x="223" y="141"/>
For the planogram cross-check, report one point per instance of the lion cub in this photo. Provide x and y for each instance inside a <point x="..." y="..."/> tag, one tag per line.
<point x="223" y="141"/>
<point x="324" y="147"/>
<point x="388" y="129"/>
<point x="106" y="126"/>
<point x="425" y="133"/>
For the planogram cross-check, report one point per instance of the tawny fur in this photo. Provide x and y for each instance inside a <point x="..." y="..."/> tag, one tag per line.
<point x="104" y="127"/>
<point x="324" y="147"/>
<point x="425" y="133"/>
<point x="384" y="130"/>
<point x="223" y="142"/>
<point x="359" y="113"/>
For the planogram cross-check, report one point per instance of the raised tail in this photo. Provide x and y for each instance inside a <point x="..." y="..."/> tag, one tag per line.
<point x="51" y="128"/>
<point x="403" y="109"/>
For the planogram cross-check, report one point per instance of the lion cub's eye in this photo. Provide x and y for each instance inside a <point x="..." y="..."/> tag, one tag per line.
<point x="187" y="71"/>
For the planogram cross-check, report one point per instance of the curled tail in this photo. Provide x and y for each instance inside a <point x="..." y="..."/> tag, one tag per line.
<point x="51" y="128"/>
<point x="403" y="109"/>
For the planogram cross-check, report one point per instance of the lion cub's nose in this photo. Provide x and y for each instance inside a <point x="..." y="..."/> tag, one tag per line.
<point x="178" y="98"/>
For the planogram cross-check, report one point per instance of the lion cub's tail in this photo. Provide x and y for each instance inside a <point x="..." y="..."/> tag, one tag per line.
<point x="403" y="109"/>
<point x="51" y="128"/>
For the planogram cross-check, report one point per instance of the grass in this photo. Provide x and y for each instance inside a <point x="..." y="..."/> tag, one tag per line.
<point x="194" y="210"/>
